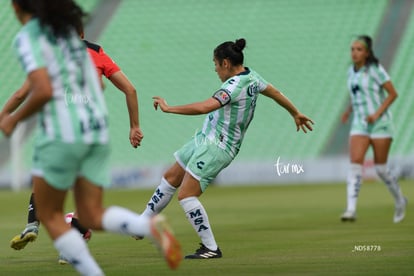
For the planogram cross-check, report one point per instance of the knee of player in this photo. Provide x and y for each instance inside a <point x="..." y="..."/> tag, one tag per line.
<point x="173" y="179"/>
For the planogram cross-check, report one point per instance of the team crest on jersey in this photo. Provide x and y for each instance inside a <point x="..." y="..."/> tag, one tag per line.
<point x="355" y="88"/>
<point x="253" y="89"/>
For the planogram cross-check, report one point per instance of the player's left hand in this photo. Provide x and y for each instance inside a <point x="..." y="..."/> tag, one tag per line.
<point x="135" y="136"/>
<point x="160" y="102"/>
<point x="8" y="124"/>
<point x="303" y="122"/>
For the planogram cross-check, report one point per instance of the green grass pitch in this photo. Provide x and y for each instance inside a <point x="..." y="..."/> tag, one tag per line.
<point x="262" y="230"/>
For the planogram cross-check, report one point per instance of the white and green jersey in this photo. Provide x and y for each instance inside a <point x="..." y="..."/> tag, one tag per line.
<point x="367" y="94"/>
<point x="77" y="112"/>
<point x="227" y="125"/>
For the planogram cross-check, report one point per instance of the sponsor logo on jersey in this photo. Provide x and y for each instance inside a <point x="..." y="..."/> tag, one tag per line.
<point x="222" y="96"/>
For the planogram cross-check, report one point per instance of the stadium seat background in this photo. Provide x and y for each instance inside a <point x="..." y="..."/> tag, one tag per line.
<point x="165" y="48"/>
<point x="302" y="47"/>
<point x="402" y="74"/>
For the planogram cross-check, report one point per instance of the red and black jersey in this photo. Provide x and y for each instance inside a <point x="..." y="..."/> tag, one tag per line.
<point x="105" y="66"/>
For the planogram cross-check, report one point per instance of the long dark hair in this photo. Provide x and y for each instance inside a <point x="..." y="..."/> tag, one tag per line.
<point x="367" y="41"/>
<point x="60" y="15"/>
<point x="230" y="50"/>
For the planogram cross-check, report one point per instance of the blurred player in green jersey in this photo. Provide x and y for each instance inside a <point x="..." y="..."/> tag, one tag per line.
<point x="372" y="93"/>
<point x="71" y="148"/>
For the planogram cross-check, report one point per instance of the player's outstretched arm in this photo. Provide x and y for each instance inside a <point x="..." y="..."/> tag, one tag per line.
<point x="301" y="121"/>
<point x="197" y="108"/>
<point x="120" y="81"/>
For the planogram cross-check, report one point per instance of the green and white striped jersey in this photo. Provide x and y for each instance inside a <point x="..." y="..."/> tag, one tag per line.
<point x="227" y="125"/>
<point x="367" y="94"/>
<point x="77" y="112"/>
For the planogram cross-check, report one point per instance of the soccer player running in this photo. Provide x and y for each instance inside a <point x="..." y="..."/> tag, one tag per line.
<point x="105" y="66"/>
<point x="71" y="148"/>
<point x="372" y="93"/>
<point x="230" y="111"/>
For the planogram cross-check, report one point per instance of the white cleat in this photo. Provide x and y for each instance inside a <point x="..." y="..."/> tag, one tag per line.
<point x="348" y="216"/>
<point x="399" y="213"/>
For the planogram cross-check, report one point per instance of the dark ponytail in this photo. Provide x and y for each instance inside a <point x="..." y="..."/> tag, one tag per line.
<point x="233" y="51"/>
<point x="60" y="15"/>
<point x="26" y="5"/>
<point x="367" y="41"/>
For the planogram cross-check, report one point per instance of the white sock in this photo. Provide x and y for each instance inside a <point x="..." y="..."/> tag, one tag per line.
<point x="197" y="216"/>
<point x="123" y="221"/>
<point x="353" y="186"/>
<point x="391" y="183"/>
<point x="73" y="247"/>
<point x="160" y="199"/>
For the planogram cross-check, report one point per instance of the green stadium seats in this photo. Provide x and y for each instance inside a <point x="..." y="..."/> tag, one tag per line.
<point x="302" y="47"/>
<point x="402" y="76"/>
<point x="165" y="48"/>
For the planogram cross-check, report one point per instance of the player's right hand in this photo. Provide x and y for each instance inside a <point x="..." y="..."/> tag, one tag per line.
<point x="135" y="136"/>
<point x="7" y="124"/>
